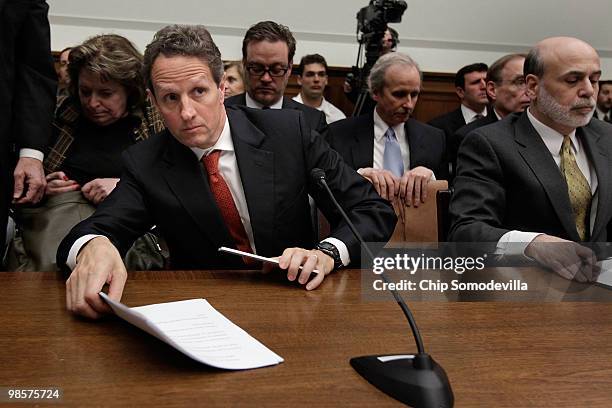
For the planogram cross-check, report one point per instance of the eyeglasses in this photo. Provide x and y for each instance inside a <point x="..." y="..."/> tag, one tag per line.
<point x="261" y="70"/>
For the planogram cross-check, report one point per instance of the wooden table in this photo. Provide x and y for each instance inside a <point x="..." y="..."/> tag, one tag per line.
<point x="495" y="354"/>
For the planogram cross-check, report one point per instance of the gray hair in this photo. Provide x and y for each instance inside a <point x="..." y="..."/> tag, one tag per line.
<point x="184" y="40"/>
<point x="376" y="80"/>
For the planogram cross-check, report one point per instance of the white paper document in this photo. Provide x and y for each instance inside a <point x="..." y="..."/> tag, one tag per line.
<point x="605" y="276"/>
<point x="198" y="330"/>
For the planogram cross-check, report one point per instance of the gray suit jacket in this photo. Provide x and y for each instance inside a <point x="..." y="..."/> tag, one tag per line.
<point x="508" y="180"/>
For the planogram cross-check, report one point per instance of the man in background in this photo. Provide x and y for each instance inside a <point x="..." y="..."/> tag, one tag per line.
<point x="267" y="55"/>
<point x="312" y="78"/>
<point x="507" y="92"/>
<point x="470" y="86"/>
<point x="604" y="101"/>
<point x="397" y="154"/>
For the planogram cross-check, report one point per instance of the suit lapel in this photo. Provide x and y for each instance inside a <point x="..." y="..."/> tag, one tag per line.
<point x="362" y="149"/>
<point x="600" y="161"/>
<point x="188" y="181"/>
<point x="256" y="167"/>
<point x="417" y="145"/>
<point x="538" y="158"/>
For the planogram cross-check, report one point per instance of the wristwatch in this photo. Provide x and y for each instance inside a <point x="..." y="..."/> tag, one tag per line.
<point x="331" y="251"/>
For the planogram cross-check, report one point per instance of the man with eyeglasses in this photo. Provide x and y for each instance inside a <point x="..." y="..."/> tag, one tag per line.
<point x="312" y="78"/>
<point x="506" y="90"/>
<point x="267" y="55"/>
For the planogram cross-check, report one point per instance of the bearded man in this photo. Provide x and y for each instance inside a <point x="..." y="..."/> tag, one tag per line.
<point x="538" y="182"/>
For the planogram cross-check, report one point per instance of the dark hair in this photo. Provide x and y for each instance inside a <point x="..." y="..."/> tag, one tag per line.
<point x="269" y="31"/>
<point x="394" y="36"/>
<point x="494" y="72"/>
<point x="311" y="59"/>
<point x="183" y="40"/>
<point x="534" y="63"/>
<point x="113" y="58"/>
<point x="64" y="50"/>
<point x="605" y="82"/>
<point x="460" y="76"/>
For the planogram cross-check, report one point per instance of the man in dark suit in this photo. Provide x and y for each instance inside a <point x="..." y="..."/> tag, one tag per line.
<point x="267" y="55"/>
<point x="368" y="142"/>
<point x="507" y="91"/>
<point x="27" y="100"/>
<point x="539" y="182"/>
<point x="470" y="86"/>
<point x="239" y="179"/>
<point x="604" y="102"/>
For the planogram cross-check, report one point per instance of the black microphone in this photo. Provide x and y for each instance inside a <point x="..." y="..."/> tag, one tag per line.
<point x="416" y="380"/>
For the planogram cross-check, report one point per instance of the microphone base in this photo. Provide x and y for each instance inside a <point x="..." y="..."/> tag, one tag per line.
<point x="416" y="380"/>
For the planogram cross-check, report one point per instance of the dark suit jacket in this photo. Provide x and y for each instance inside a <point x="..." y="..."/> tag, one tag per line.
<point x="508" y="180"/>
<point x="353" y="138"/>
<point x="27" y="87"/>
<point x="164" y="184"/>
<point x="450" y="122"/>
<point x="314" y="118"/>
<point x="463" y="131"/>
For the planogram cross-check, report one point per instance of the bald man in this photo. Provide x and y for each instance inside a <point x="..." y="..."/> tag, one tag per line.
<point x="539" y="182"/>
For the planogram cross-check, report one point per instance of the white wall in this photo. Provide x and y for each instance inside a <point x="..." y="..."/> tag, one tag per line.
<point x="442" y="35"/>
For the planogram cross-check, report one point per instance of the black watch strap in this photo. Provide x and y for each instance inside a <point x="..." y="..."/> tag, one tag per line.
<point x="330" y="249"/>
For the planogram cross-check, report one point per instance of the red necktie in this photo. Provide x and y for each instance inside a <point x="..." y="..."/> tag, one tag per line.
<point x="225" y="202"/>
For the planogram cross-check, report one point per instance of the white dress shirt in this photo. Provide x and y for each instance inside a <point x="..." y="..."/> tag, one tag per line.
<point x="332" y="114"/>
<point x="32" y="153"/>
<point x="252" y="103"/>
<point x="469" y="115"/>
<point x="515" y="242"/>
<point x="601" y="114"/>
<point x="380" y="128"/>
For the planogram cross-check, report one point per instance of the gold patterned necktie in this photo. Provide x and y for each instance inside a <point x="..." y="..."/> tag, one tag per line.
<point x="578" y="188"/>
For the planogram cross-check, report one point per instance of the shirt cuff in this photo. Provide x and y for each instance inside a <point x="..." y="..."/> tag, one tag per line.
<point x="32" y="153"/>
<point x="515" y="242"/>
<point x="342" y="249"/>
<point x="76" y="247"/>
